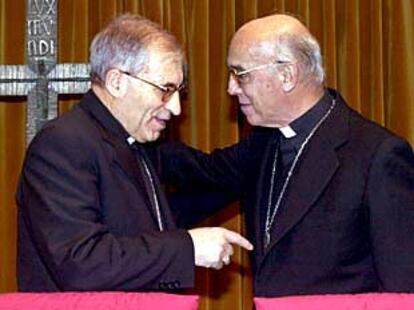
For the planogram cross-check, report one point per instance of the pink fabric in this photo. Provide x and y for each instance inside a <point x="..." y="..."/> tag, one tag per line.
<point x="371" y="301"/>
<point x="97" y="301"/>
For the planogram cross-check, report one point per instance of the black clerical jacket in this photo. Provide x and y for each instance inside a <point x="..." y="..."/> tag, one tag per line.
<point x="346" y="221"/>
<point x="86" y="218"/>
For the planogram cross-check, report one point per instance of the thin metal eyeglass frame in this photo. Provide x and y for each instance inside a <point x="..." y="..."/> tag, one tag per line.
<point x="239" y="74"/>
<point x="167" y="91"/>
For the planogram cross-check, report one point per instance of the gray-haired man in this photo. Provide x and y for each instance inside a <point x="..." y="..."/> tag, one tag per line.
<point x="92" y="215"/>
<point x="328" y="195"/>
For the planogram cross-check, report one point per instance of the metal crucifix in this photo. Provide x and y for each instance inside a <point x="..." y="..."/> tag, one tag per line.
<point x="42" y="79"/>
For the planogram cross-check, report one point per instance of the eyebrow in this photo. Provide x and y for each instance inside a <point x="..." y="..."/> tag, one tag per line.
<point x="237" y="67"/>
<point x="172" y="85"/>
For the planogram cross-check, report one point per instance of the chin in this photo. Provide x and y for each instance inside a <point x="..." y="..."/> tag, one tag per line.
<point x="153" y="137"/>
<point x="252" y="121"/>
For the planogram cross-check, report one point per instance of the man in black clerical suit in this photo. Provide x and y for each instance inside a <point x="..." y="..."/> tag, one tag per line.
<point x="328" y="195"/>
<point x="91" y="212"/>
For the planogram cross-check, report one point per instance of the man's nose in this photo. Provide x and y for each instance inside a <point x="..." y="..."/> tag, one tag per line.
<point x="233" y="87"/>
<point x="174" y="105"/>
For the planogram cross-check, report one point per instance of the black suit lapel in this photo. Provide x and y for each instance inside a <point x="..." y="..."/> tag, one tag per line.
<point x="313" y="172"/>
<point x="115" y="136"/>
<point x="125" y="159"/>
<point x="166" y="214"/>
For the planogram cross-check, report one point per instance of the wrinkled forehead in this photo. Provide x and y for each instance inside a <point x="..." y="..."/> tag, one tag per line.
<point x="245" y="51"/>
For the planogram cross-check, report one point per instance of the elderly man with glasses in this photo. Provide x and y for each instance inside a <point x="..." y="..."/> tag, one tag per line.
<point x="328" y="195"/>
<point x="92" y="215"/>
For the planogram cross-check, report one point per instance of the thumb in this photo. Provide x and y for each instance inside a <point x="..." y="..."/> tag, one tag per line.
<point x="236" y="238"/>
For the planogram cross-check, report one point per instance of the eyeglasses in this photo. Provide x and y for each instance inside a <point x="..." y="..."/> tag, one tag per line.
<point x="241" y="76"/>
<point x="167" y="91"/>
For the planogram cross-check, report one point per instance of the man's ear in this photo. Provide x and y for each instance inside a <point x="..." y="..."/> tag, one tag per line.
<point x="289" y="77"/>
<point x="115" y="83"/>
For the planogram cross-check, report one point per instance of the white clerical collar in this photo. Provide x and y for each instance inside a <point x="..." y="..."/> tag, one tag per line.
<point x="131" y="140"/>
<point x="287" y="132"/>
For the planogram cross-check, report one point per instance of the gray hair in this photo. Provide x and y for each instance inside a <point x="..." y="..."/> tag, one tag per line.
<point x="304" y="50"/>
<point x="125" y="44"/>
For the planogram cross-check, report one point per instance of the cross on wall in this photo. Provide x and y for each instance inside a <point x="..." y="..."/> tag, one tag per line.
<point x="42" y="79"/>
